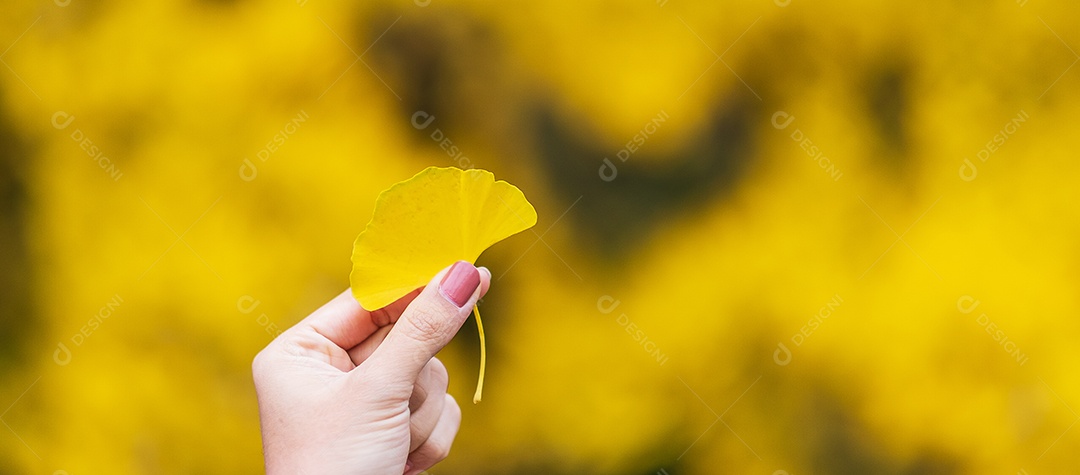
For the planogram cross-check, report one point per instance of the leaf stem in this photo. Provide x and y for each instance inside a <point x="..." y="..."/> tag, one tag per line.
<point x="483" y="356"/>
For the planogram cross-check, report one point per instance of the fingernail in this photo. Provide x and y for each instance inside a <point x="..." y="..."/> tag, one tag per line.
<point x="408" y="467"/>
<point x="459" y="283"/>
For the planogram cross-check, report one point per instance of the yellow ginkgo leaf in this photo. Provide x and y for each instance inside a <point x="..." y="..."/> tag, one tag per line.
<point x="425" y="223"/>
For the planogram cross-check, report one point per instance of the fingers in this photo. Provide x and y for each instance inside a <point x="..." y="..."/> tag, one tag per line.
<point x="427" y="402"/>
<point x="390" y="313"/>
<point x="341" y="320"/>
<point x="437" y="445"/>
<point x="359" y="353"/>
<point x="426" y="326"/>
<point x="386" y="317"/>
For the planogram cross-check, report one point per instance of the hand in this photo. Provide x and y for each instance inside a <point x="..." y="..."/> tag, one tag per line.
<point x="352" y="391"/>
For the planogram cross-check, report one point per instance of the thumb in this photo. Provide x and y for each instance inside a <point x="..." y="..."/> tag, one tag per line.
<point x="427" y="325"/>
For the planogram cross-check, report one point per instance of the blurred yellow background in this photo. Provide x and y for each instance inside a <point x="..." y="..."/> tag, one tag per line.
<point x="775" y="237"/>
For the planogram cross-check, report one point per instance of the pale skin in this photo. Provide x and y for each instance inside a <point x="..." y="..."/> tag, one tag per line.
<point x="351" y="391"/>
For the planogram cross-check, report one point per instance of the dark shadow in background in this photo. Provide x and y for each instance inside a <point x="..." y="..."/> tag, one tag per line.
<point x="648" y="190"/>
<point x="17" y="313"/>
<point x="888" y="100"/>
<point x="845" y="445"/>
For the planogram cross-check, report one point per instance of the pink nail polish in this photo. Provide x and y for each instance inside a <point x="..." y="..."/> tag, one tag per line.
<point x="459" y="283"/>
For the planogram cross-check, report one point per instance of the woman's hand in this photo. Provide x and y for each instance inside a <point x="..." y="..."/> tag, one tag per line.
<point x="352" y="391"/>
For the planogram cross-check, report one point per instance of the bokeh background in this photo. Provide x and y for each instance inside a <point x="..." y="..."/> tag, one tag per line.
<point x="828" y="237"/>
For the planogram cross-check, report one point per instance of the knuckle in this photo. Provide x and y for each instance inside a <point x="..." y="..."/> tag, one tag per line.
<point x="440" y="450"/>
<point x="382" y="317"/>
<point x="426" y="324"/>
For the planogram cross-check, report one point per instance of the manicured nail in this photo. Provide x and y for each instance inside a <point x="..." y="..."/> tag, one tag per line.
<point x="459" y="283"/>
